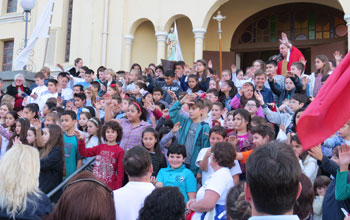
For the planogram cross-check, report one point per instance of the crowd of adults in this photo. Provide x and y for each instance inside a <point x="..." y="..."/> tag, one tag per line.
<point x="178" y="143"/>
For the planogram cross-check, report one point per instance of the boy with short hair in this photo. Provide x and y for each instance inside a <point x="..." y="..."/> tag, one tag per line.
<point x="193" y="131"/>
<point x="271" y="72"/>
<point x="216" y="113"/>
<point x="158" y="95"/>
<point x="168" y="84"/>
<point x="63" y="80"/>
<point x="259" y="82"/>
<point x="87" y="79"/>
<point x="262" y="134"/>
<point x="176" y="174"/>
<point x="217" y="134"/>
<point x="212" y="95"/>
<point x="179" y="68"/>
<point x="73" y="160"/>
<point x="39" y="90"/>
<point x="78" y="89"/>
<point x="79" y="102"/>
<point x="52" y="92"/>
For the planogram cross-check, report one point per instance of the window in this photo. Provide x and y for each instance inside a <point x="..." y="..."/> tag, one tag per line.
<point x="301" y="21"/>
<point x="11" y="6"/>
<point x="8" y="56"/>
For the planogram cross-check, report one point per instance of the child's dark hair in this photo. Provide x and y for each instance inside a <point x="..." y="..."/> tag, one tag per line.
<point x="33" y="107"/>
<point x="140" y="108"/>
<point x="258" y="120"/>
<point x="81" y="96"/>
<point x="25" y="125"/>
<point x="195" y="77"/>
<point x="96" y="84"/>
<point x="50" y="105"/>
<point x="169" y="73"/>
<point x="324" y="78"/>
<point x="156" y="89"/>
<point x="88" y="116"/>
<point x="299" y="65"/>
<point x="198" y="103"/>
<point x="205" y="72"/>
<point x="55" y="82"/>
<point x="64" y="75"/>
<point x="218" y="130"/>
<point x="243" y="100"/>
<point x="34" y="144"/>
<point x="214" y="91"/>
<point x="255" y="100"/>
<point x="301" y="98"/>
<point x="160" y="105"/>
<point x="15" y="116"/>
<point x="141" y="85"/>
<point x="81" y="87"/>
<point x="71" y="113"/>
<point x="177" y="149"/>
<point x="233" y="90"/>
<point x="271" y="62"/>
<point x="114" y="126"/>
<point x="321" y="181"/>
<point x="294" y="127"/>
<point x="179" y="63"/>
<point x="157" y="149"/>
<point x="264" y="130"/>
<point x="98" y="124"/>
<point x="244" y="114"/>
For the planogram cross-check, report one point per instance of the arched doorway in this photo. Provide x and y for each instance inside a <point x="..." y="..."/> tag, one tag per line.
<point x="313" y="28"/>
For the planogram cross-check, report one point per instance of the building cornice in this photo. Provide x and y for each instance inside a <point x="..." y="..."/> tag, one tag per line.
<point x="11" y="18"/>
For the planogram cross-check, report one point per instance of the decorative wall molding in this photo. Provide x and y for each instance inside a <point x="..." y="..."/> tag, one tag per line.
<point x="11" y="18"/>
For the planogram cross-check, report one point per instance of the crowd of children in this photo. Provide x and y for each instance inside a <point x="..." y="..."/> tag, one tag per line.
<point x="182" y="117"/>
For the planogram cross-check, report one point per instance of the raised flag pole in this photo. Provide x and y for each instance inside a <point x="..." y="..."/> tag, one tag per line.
<point x="220" y="18"/>
<point x="47" y="41"/>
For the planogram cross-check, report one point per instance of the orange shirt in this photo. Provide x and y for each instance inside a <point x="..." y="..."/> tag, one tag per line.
<point x="245" y="155"/>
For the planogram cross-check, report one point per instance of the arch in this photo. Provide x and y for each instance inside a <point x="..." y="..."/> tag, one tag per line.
<point x="211" y="11"/>
<point x="267" y="26"/>
<point x="173" y="18"/>
<point x="144" y="47"/>
<point x="136" y="24"/>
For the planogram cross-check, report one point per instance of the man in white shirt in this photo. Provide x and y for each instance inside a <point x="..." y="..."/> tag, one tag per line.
<point x="129" y="199"/>
<point x="273" y="182"/>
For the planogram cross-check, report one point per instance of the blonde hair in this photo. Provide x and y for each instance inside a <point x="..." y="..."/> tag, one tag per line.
<point x="19" y="171"/>
<point x="93" y="97"/>
<point x="8" y="98"/>
<point x="110" y="72"/>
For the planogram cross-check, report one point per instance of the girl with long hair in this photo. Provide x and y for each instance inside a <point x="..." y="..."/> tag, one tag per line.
<point x="227" y="91"/>
<point x="52" y="160"/>
<point x="7" y="131"/>
<point x="315" y="79"/>
<point x="202" y="74"/>
<point x="22" y="126"/>
<point x="150" y="141"/>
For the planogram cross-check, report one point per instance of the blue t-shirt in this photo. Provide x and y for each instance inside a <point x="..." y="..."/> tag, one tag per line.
<point x="181" y="177"/>
<point x="71" y="153"/>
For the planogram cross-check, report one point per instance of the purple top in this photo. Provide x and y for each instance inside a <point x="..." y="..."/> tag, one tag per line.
<point x="132" y="136"/>
<point x="5" y="133"/>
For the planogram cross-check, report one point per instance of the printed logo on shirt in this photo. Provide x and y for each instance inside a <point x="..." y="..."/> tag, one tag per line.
<point x="180" y="179"/>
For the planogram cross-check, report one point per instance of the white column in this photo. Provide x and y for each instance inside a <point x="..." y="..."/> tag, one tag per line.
<point x="161" y="42"/>
<point x="347" y="19"/>
<point x="127" y="51"/>
<point x="198" y="42"/>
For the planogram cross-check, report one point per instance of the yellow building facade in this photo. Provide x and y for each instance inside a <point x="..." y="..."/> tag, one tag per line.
<point x="117" y="33"/>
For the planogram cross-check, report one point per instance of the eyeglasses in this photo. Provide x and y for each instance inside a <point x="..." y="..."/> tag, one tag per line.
<point x="250" y="105"/>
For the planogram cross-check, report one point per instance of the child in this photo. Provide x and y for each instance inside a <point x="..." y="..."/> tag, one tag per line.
<point x="271" y="72"/>
<point x="139" y="90"/>
<point x="217" y="134"/>
<point x="202" y="73"/>
<point x="52" y="92"/>
<point x="31" y="111"/>
<point x="342" y="137"/>
<point x="90" y="96"/>
<point x="83" y="120"/>
<point x="229" y="122"/>
<point x="72" y="157"/>
<point x="22" y="126"/>
<point x="109" y="161"/>
<point x="48" y="107"/>
<point x="51" y="160"/>
<point x="193" y="84"/>
<point x="6" y="133"/>
<point x="5" y="107"/>
<point x="158" y="95"/>
<point x="308" y="164"/>
<point x="314" y="80"/>
<point x="77" y="89"/>
<point x="192" y="132"/>
<point x="228" y="90"/>
<point x="150" y="141"/>
<point x="79" y="102"/>
<point x="168" y="84"/>
<point x="320" y="187"/>
<point x="212" y="95"/>
<point x="31" y="137"/>
<point x="51" y="119"/>
<point x="292" y="85"/>
<point x="39" y="89"/>
<point x="216" y="112"/>
<point x="112" y="89"/>
<point x="176" y="174"/>
<point x="93" y="139"/>
<point x="212" y="84"/>
<point x="63" y="80"/>
<point x="252" y="106"/>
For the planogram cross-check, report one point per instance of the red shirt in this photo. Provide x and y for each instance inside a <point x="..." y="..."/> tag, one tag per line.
<point x="108" y="164"/>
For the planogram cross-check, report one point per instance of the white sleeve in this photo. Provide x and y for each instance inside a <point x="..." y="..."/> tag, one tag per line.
<point x="201" y="155"/>
<point x="236" y="169"/>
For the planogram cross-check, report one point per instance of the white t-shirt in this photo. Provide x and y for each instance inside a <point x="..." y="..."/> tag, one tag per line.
<point x="236" y="169"/>
<point x="67" y="94"/>
<point x="39" y="90"/>
<point x="220" y="182"/>
<point x="44" y="98"/>
<point x="129" y="199"/>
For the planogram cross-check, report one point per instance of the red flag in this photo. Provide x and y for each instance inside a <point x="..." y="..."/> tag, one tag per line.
<point x="330" y="110"/>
